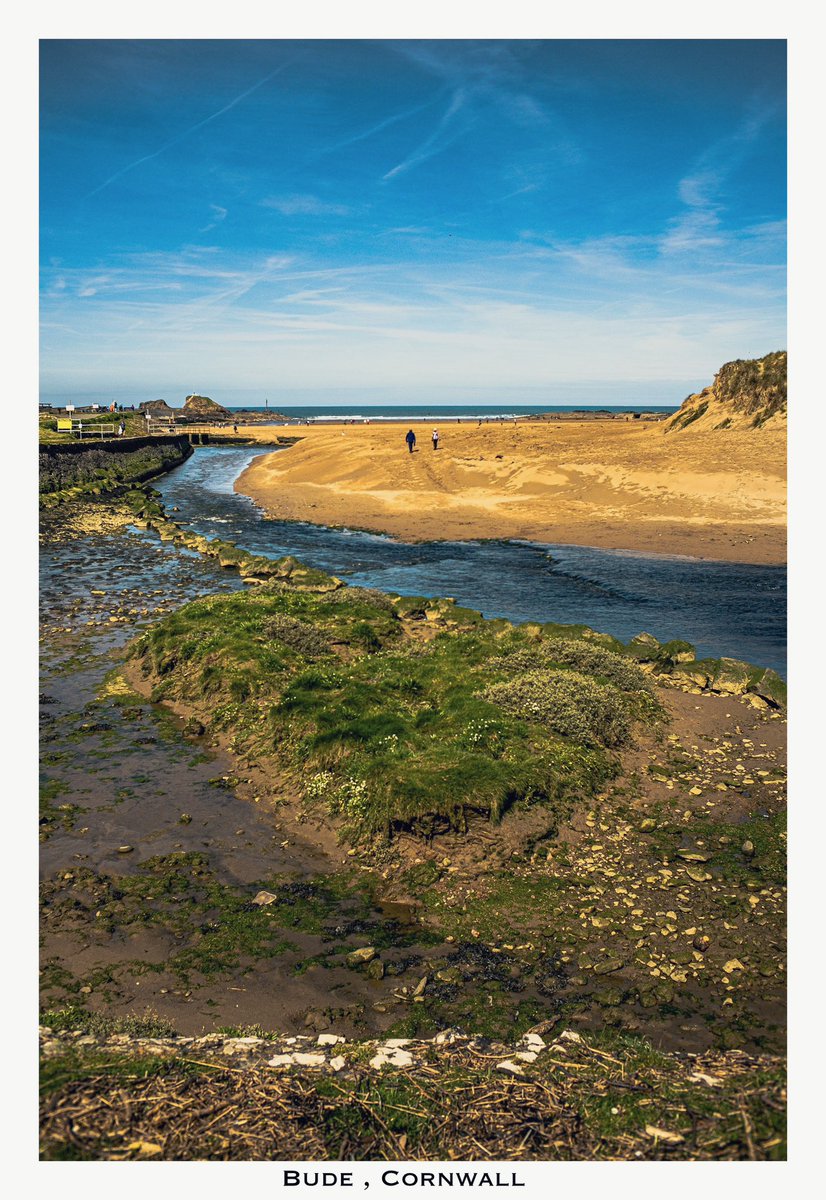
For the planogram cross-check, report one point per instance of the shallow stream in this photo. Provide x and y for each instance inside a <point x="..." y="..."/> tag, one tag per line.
<point x="732" y="609"/>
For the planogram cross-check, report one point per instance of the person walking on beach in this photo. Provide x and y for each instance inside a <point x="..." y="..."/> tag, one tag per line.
<point x="435" y="437"/>
<point x="410" y="438"/>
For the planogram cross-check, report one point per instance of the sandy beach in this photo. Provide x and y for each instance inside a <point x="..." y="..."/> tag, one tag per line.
<point x="716" y="494"/>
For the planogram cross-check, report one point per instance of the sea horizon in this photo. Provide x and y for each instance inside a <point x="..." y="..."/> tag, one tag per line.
<point x="375" y="411"/>
<point x="398" y="412"/>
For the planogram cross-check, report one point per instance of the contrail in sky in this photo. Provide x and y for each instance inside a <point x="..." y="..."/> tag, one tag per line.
<point x="180" y="137"/>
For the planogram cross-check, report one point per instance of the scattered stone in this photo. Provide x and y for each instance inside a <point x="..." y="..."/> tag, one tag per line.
<point x="608" y="965"/>
<point x="263" y="898"/>
<point x="364" y="954"/>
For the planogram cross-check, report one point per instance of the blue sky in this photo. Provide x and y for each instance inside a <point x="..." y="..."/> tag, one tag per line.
<point x="535" y="221"/>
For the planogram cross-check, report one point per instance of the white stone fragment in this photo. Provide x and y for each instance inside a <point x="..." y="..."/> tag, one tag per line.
<point x="533" y="1042"/>
<point x="391" y="1057"/>
<point x="329" y="1039"/>
<point x="511" y="1067"/>
<point x="447" y="1037"/>
<point x="338" y="1062"/>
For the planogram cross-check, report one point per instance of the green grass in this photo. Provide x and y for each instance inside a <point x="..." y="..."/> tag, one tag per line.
<point x="386" y="730"/>
<point x="75" y="1018"/>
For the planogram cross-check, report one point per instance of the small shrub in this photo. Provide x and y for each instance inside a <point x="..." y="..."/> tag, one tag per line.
<point x="571" y="704"/>
<point x="583" y="657"/>
<point x="297" y="635"/>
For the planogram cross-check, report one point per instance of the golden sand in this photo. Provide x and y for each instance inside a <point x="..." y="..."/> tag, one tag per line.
<point x="618" y="484"/>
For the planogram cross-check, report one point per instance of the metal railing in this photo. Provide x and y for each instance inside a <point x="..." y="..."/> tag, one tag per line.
<point x="85" y="429"/>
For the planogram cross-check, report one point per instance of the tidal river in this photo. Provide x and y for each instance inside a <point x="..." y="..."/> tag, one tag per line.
<point x="732" y="609"/>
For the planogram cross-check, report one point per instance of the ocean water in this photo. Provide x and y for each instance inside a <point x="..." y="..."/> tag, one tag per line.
<point x="437" y="412"/>
<point x="732" y="609"/>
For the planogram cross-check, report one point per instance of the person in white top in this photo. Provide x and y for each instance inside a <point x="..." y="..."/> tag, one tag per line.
<point x="435" y="436"/>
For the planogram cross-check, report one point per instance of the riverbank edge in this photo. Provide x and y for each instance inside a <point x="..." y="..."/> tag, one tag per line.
<point x="672" y="662"/>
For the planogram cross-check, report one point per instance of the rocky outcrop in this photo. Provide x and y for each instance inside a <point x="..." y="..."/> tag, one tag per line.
<point x="746" y="394"/>
<point x="156" y="408"/>
<point x="201" y="408"/>
<point x="195" y="408"/>
<point x="675" y="664"/>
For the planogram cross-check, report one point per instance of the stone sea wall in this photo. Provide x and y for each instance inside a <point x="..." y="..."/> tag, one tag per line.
<point x="99" y="466"/>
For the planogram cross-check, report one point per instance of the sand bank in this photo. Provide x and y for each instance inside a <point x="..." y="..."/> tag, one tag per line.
<point x="716" y="494"/>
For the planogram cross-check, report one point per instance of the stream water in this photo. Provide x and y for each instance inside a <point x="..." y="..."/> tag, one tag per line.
<point x="732" y="609"/>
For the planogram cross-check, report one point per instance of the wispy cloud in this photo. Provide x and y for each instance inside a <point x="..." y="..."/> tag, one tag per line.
<point x="311" y="206"/>
<point x="363" y="134"/>
<point x="219" y="214"/>
<point x="442" y="136"/>
<point x="186" y="133"/>
<point x="698" y="226"/>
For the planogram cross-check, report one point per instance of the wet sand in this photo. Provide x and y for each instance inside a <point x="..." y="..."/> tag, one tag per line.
<point x="624" y="485"/>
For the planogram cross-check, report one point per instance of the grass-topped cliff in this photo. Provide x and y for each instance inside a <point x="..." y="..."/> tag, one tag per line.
<point x="746" y="393"/>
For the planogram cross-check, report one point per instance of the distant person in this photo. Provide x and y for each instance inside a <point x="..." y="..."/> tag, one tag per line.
<point x="235" y="427"/>
<point x="435" y="439"/>
<point x="121" y="429"/>
<point x="410" y="438"/>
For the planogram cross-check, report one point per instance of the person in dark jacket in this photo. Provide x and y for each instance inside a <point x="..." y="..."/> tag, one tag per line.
<point x="410" y="438"/>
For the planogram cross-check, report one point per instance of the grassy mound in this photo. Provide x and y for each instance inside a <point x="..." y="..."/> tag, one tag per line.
<point x="387" y="725"/>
